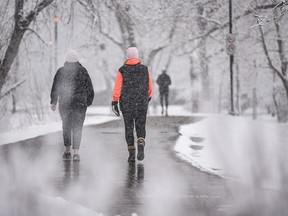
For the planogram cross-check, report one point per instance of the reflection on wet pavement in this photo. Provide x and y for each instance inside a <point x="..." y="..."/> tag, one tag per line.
<point x="135" y="175"/>
<point x="71" y="174"/>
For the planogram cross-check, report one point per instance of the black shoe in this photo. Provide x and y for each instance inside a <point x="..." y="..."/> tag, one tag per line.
<point x="76" y="157"/>
<point x="131" y="158"/>
<point x="140" y="145"/>
<point x="66" y="156"/>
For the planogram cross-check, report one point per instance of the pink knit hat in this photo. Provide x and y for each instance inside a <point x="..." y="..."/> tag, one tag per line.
<point x="132" y="52"/>
<point x="72" y="56"/>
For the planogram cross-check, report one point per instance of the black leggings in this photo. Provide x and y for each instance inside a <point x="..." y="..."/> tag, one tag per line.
<point x="139" y="118"/>
<point x="72" y="124"/>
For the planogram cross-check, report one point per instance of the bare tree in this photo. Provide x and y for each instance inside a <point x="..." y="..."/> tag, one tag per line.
<point x="279" y="71"/>
<point x="281" y="8"/>
<point x="22" y="21"/>
<point x="123" y="29"/>
<point x="202" y="24"/>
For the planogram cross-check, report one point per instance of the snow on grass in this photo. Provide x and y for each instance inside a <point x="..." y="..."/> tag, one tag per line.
<point x="94" y="116"/>
<point x="173" y="110"/>
<point x="236" y="147"/>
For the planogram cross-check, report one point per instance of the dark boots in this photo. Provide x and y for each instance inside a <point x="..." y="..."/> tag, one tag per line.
<point x="131" y="150"/>
<point x="140" y="146"/>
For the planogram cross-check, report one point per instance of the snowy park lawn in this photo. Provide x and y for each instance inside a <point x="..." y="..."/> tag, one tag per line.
<point x="95" y="115"/>
<point x="253" y="152"/>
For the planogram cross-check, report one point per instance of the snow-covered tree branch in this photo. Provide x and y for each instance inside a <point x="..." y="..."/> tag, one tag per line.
<point x="21" y="23"/>
<point x="281" y="6"/>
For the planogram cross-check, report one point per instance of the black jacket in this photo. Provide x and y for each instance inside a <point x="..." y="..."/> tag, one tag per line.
<point x="72" y="86"/>
<point x="164" y="81"/>
<point x="134" y="94"/>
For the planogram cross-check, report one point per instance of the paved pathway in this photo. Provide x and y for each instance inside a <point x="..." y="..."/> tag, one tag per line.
<point x="104" y="182"/>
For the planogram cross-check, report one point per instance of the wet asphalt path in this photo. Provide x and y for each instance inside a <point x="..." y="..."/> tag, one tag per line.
<point x="103" y="181"/>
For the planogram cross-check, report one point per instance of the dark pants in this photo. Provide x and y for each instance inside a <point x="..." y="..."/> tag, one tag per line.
<point x="139" y="118"/>
<point x="72" y="124"/>
<point x="164" y="96"/>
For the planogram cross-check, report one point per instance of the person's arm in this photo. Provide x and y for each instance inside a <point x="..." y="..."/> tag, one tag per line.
<point x="90" y="89"/>
<point x="117" y="93"/>
<point x="117" y="87"/>
<point x="169" y="80"/>
<point x="55" y="91"/>
<point x="150" y="91"/>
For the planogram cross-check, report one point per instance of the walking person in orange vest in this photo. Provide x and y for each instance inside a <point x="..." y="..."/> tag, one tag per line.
<point x="133" y="90"/>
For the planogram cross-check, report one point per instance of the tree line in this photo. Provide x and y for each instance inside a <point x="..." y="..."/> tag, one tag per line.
<point x="166" y="31"/>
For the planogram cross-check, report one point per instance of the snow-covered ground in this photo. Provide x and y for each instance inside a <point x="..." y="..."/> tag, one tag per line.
<point x="95" y="115"/>
<point x="223" y="145"/>
<point x="250" y="152"/>
<point x="253" y="152"/>
<point x="37" y="189"/>
<point x="236" y="147"/>
<point x="232" y="147"/>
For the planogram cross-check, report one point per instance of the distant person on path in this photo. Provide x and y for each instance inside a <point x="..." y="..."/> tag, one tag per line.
<point x="133" y="89"/>
<point x="73" y="88"/>
<point x="164" y="81"/>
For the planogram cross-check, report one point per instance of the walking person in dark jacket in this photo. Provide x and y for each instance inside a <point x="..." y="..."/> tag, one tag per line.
<point x="133" y="89"/>
<point x="73" y="88"/>
<point x="164" y="81"/>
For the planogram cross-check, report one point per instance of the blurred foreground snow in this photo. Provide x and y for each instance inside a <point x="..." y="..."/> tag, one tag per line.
<point x="253" y="153"/>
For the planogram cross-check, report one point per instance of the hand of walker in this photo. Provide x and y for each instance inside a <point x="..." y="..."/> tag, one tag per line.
<point x="115" y="108"/>
<point x="53" y="107"/>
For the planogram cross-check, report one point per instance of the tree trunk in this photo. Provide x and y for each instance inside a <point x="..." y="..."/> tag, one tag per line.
<point x="205" y="95"/>
<point x="254" y="93"/>
<point x="126" y="25"/>
<point x="220" y="92"/>
<point x="280" y="104"/>
<point x="21" y="25"/>
<point x="194" y="93"/>
<point x="13" y="103"/>
<point x="202" y="25"/>
<point x="10" y="54"/>
<point x="237" y="88"/>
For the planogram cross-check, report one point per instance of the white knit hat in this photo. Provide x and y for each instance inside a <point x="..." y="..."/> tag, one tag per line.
<point x="72" y="56"/>
<point x="132" y="52"/>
